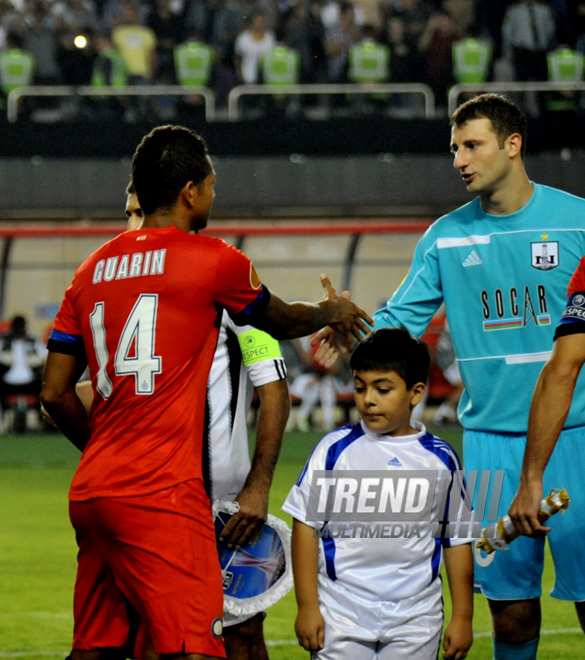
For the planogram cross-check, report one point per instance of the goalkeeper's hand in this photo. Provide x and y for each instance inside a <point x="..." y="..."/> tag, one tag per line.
<point x="525" y="507"/>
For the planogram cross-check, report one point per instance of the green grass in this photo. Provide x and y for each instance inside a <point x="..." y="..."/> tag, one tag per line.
<point x="37" y="558"/>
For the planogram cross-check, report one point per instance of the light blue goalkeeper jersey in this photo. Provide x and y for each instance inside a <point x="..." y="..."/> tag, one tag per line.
<point x="504" y="281"/>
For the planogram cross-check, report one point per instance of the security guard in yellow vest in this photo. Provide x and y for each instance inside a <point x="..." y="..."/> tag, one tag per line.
<point x="109" y="70"/>
<point x="193" y="63"/>
<point x="16" y="68"/>
<point x="471" y="60"/>
<point x="564" y="65"/>
<point x="109" y="67"/>
<point x="369" y="61"/>
<point x="280" y="66"/>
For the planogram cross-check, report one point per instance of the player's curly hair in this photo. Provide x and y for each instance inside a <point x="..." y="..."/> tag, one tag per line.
<point x="166" y="159"/>
<point x="505" y="116"/>
<point x="393" y="349"/>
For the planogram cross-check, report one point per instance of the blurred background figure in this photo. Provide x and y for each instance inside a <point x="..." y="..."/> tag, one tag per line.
<point x="251" y="44"/>
<point x="137" y="44"/>
<point x="528" y="33"/>
<point x="22" y="358"/>
<point x="194" y="65"/>
<point x="109" y="69"/>
<point x="16" y="66"/>
<point x="445" y="359"/>
<point x="216" y="23"/>
<point x="317" y="388"/>
<point x="436" y="47"/>
<point x="369" y="62"/>
<point x="339" y="38"/>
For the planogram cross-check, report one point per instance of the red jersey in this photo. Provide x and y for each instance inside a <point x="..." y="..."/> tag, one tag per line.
<point x="145" y="310"/>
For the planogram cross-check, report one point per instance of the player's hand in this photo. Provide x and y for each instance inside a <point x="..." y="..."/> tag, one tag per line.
<point x="247" y="522"/>
<point x="457" y="639"/>
<point x="351" y="321"/>
<point x="310" y="628"/>
<point x="525" y="507"/>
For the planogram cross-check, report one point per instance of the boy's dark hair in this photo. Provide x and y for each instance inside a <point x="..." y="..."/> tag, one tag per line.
<point x="505" y="116"/>
<point x="166" y="159"/>
<point x="393" y="349"/>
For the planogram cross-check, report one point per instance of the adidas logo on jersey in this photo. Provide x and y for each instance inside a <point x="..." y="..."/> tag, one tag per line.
<point x="473" y="260"/>
<point x="395" y="462"/>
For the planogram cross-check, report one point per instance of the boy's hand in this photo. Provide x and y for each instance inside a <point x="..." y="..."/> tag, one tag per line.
<point x="310" y="628"/>
<point x="457" y="639"/>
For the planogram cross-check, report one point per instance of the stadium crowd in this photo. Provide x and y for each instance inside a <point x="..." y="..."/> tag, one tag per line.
<point x="224" y="43"/>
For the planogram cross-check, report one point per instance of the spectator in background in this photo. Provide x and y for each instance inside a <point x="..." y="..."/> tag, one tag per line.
<point x="489" y="18"/>
<point x="22" y="358"/>
<point x="217" y="23"/>
<point x="298" y="33"/>
<point x="339" y="38"/>
<point x="16" y="65"/>
<point x="405" y="58"/>
<point x="564" y="30"/>
<point x="137" y="44"/>
<point x="77" y="18"/>
<point x="168" y="28"/>
<point x="38" y="28"/>
<point x="436" y="45"/>
<point x="406" y="63"/>
<point x="109" y="69"/>
<point x="250" y="44"/>
<point x="416" y="14"/>
<point x="576" y="19"/>
<point x="8" y="16"/>
<point x="369" y="63"/>
<point x="194" y="66"/>
<point x="528" y="33"/>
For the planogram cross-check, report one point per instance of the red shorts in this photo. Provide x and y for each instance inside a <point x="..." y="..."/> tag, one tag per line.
<point x="154" y="559"/>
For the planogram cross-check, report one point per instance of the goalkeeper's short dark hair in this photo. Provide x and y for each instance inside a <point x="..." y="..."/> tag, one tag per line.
<point x="505" y="116"/>
<point x="393" y="349"/>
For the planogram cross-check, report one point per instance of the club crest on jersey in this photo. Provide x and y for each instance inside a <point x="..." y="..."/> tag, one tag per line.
<point x="217" y="627"/>
<point x="545" y="255"/>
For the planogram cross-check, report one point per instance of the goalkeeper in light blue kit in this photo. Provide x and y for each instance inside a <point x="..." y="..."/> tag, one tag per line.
<point x="501" y="264"/>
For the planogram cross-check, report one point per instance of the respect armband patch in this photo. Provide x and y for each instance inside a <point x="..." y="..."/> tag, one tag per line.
<point x="257" y="346"/>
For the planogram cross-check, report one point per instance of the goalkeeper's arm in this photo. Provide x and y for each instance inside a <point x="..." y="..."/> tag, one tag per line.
<point x="548" y="412"/>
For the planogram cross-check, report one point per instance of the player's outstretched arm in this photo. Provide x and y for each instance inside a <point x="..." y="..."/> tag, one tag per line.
<point x="253" y="498"/>
<point x="289" y="320"/>
<point x="458" y="635"/>
<point x="548" y="412"/>
<point x="59" y="398"/>
<point x="309" y="624"/>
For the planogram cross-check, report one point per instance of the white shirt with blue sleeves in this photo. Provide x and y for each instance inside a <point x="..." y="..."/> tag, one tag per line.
<point x="390" y="567"/>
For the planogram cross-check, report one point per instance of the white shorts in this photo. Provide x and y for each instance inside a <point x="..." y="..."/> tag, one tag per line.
<point x="405" y="629"/>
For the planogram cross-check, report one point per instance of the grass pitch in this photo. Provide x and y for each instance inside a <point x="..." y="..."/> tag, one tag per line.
<point x="37" y="558"/>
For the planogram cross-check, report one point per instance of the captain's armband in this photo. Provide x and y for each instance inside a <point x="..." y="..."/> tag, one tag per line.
<point x="257" y="346"/>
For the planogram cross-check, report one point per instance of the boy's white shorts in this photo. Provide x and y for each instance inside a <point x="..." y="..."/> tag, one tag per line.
<point x="359" y="629"/>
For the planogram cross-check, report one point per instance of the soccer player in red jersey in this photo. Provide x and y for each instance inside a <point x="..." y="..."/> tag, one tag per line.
<point x="143" y="312"/>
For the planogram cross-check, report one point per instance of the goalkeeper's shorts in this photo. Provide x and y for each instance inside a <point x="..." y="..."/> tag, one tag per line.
<point x="515" y="574"/>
